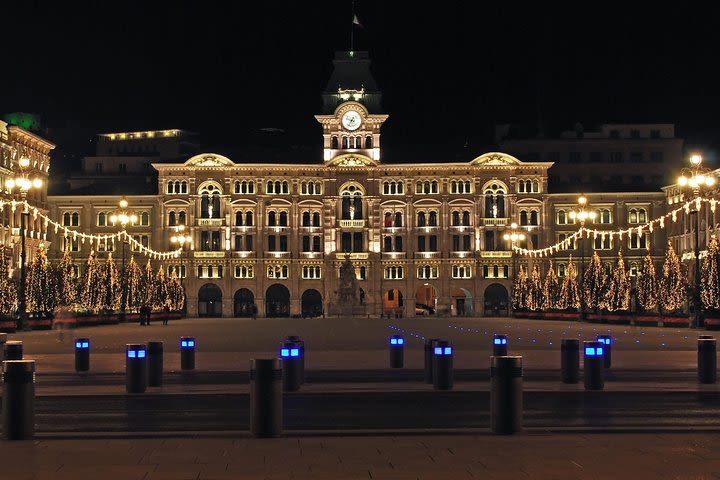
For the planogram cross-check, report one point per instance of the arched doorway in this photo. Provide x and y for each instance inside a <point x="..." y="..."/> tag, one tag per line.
<point x="311" y="303"/>
<point x="425" y="300"/>
<point x="277" y="301"/>
<point x="496" y="300"/>
<point x="393" y="303"/>
<point x="209" y="301"/>
<point x="245" y="303"/>
<point x="462" y="302"/>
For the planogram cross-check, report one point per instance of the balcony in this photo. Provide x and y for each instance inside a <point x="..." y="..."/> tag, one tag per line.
<point x="211" y="222"/>
<point x="352" y="255"/>
<point x="209" y="254"/>
<point x="277" y="254"/>
<point x="243" y="254"/>
<point x="496" y="254"/>
<point x="462" y="254"/>
<point x="428" y="255"/>
<point x="352" y="223"/>
<point x="392" y="255"/>
<point x="427" y="229"/>
<point x="495" y="222"/>
<point x="277" y="229"/>
<point x="311" y="255"/>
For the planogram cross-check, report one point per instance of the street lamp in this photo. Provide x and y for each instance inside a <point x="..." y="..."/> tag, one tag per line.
<point x="582" y="214"/>
<point x="180" y="238"/>
<point x="699" y="180"/>
<point x="123" y="217"/>
<point x="514" y="237"/>
<point x="23" y="184"/>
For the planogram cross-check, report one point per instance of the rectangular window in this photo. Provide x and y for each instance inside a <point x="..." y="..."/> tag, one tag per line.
<point x="310" y="272"/>
<point x="466" y="243"/>
<point x="634" y="133"/>
<point x="71" y="244"/>
<point x="244" y="271"/>
<point x="575" y="157"/>
<point x="616" y="157"/>
<point x="421" y="244"/>
<point x="433" y="243"/>
<point x="316" y="243"/>
<point x="122" y="168"/>
<point x="461" y="271"/>
<point x="216" y="241"/>
<point x="638" y="241"/>
<point x="656" y="157"/>
<point x="636" y="157"/>
<point x="570" y="243"/>
<point x="456" y="243"/>
<point x="603" y="242"/>
<point x="596" y="157"/>
<point x="654" y="133"/>
<point x="272" y="243"/>
<point x="248" y="242"/>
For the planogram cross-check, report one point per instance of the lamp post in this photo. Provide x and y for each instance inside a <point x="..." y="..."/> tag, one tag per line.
<point x="180" y="238"/>
<point x="582" y="214"/>
<point x="514" y="237"/>
<point x="698" y="180"/>
<point x="123" y="217"/>
<point x="22" y="184"/>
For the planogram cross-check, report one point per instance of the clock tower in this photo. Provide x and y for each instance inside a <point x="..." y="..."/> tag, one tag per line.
<point x="351" y="124"/>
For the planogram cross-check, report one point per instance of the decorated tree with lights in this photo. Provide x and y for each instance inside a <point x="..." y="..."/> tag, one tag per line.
<point x="710" y="281"/>
<point x="133" y="278"/>
<point x="569" y="293"/>
<point x="160" y="290"/>
<point x="672" y="283"/>
<point x="111" y="292"/>
<point x="41" y="293"/>
<point x="92" y="287"/>
<point x="617" y="295"/>
<point x="520" y="289"/>
<point x="535" y="290"/>
<point x="8" y="287"/>
<point x="146" y="287"/>
<point x="594" y="283"/>
<point x="176" y="292"/>
<point x="67" y="282"/>
<point x="551" y="289"/>
<point x="647" y="285"/>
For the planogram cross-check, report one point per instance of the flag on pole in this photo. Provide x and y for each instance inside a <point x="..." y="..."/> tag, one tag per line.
<point x="356" y="21"/>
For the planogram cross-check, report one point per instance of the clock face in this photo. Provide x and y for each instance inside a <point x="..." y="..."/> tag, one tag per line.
<point x="351" y="120"/>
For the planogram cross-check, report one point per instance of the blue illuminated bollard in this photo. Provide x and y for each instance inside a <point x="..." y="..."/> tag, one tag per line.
<point x="443" y="365"/>
<point x="82" y="354"/>
<point x="429" y="354"/>
<point x="301" y="343"/>
<point x="14" y="350"/>
<point x="135" y="368"/>
<point x="607" y="341"/>
<point x="155" y="360"/>
<point x="187" y="353"/>
<point x="397" y="351"/>
<point x="707" y="359"/>
<point x="593" y="365"/>
<point x="291" y="366"/>
<point x="500" y="345"/>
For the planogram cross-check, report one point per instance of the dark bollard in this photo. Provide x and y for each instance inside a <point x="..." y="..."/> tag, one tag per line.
<point x="155" y="358"/>
<point x="705" y="336"/>
<point x="13" y="350"/>
<point x="570" y="360"/>
<point x="3" y="341"/>
<point x="500" y="345"/>
<point x="18" y="401"/>
<point x="301" y="343"/>
<point x="266" y="410"/>
<point x="506" y="394"/>
<point x="593" y="365"/>
<point x="707" y="360"/>
<point x="397" y="351"/>
<point x="135" y="368"/>
<point x="442" y="365"/>
<point x="429" y="346"/>
<point x="82" y="354"/>
<point x="606" y="340"/>
<point x="187" y="353"/>
<point x="291" y="366"/>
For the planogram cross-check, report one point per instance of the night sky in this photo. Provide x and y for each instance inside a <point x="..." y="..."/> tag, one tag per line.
<point x="226" y="69"/>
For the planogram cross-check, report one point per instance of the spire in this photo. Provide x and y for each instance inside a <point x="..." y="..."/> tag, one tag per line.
<point x="351" y="79"/>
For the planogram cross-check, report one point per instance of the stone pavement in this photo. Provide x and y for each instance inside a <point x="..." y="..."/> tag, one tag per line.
<point x="457" y="456"/>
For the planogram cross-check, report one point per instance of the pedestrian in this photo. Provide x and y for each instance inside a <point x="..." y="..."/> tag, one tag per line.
<point x="166" y="314"/>
<point x="254" y="311"/>
<point x="142" y="315"/>
<point x="148" y="314"/>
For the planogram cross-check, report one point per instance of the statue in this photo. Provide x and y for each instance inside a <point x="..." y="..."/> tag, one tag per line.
<point x="347" y="290"/>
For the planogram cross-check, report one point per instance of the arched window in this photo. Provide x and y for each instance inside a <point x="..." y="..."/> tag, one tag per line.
<point x="66" y="219"/>
<point x="398" y="220"/>
<point x="144" y="219"/>
<point x="536" y="186"/>
<point x="523" y="217"/>
<point x="453" y="187"/>
<point x="248" y="219"/>
<point x="270" y="188"/>
<point x="418" y="187"/>
<point x="102" y="219"/>
<point x="494" y="201"/>
<point x="285" y="187"/>
<point x="237" y="186"/>
<point x="283" y="219"/>
<point x="177" y="186"/>
<point x="466" y="218"/>
<point x="368" y="142"/>
<point x="271" y="218"/>
<point x="393" y="188"/>
<point x="182" y="219"/>
<point x="170" y="187"/>
<point x="238" y="218"/>
<point x="434" y="186"/>
<point x="427" y="187"/>
<point x="642" y="215"/>
<point x="316" y="219"/>
<point x="75" y="219"/>
<point x="467" y="186"/>
<point x="344" y="142"/>
<point x="171" y="219"/>
<point x="455" y="218"/>
<point x="387" y="244"/>
<point x="386" y="188"/>
<point x="561" y="217"/>
<point x="433" y="219"/>
<point x="421" y="219"/>
<point x="306" y="219"/>
<point x="534" y="218"/>
<point x="278" y="187"/>
<point x="334" y="143"/>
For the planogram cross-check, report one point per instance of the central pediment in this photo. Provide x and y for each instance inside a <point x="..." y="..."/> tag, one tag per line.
<point x="496" y="159"/>
<point x="352" y="160"/>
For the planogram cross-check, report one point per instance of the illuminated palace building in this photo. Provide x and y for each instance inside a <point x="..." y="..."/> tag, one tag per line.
<point x="422" y="239"/>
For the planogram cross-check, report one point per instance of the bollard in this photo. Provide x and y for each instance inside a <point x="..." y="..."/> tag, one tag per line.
<point x="18" y="401"/>
<point x="506" y="394"/>
<point x="135" y="368"/>
<point x="291" y="366"/>
<point x="570" y="360"/>
<point x="593" y="365"/>
<point x="187" y="353"/>
<point x="707" y="360"/>
<point x="14" y="350"/>
<point x="705" y="336"/>
<point x="443" y="365"/>
<point x="82" y="354"/>
<point x="607" y="354"/>
<point x="155" y="357"/>
<point x="397" y="351"/>
<point x="429" y="346"/>
<point x="3" y="341"/>
<point x="266" y="410"/>
<point x="500" y="345"/>
<point x="296" y="339"/>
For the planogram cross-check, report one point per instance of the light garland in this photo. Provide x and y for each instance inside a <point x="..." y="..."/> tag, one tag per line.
<point x="584" y="232"/>
<point x="75" y="234"/>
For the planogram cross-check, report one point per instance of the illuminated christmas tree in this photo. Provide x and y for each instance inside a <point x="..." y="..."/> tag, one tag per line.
<point x="617" y="296"/>
<point x="92" y="288"/>
<point x="647" y="285"/>
<point x="111" y="292"/>
<point x="67" y="281"/>
<point x="146" y="287"/>
<point x="520" y="288"/>
<point x="710" y="281"/>
<point x="535" y="290"/>
<point x="41" y="293"/>
<point x="133" y="278"/>
<point x="8" y="287"/>
<point x="594" y="283"/>
<point x="176" y="292"/>
<point x="160" y="290"/>
<point x="551" y="289"/>
<point x="569" y="293"/>
<point x="672" y="283"/>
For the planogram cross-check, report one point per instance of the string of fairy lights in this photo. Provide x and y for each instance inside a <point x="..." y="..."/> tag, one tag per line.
<point x="639" y="230"/>
<point x="76" y="234"/>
